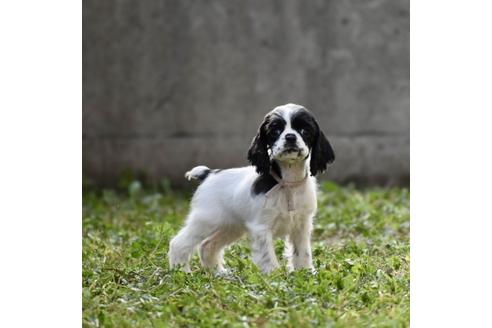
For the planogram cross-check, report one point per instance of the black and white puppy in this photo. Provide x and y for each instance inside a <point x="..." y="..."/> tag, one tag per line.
<point x="273" y="198"/>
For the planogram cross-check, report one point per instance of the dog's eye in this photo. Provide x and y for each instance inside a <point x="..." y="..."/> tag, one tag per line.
<point x="304" y="132"/>
<point x="276" y="131"/>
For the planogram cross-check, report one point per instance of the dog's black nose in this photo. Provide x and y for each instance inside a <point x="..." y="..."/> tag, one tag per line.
<point x="290" y="138"/>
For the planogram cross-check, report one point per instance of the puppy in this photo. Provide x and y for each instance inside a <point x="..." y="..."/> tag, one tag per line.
<point x="273" y="198"/>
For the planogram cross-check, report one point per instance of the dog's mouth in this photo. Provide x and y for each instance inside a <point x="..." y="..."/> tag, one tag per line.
<point x="291" y="149"/>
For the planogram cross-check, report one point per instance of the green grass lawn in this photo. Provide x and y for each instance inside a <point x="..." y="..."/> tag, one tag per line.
<point x="360" y="250"/>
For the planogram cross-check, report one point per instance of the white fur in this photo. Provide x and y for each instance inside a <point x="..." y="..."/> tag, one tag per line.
<point x="224" y="208"/>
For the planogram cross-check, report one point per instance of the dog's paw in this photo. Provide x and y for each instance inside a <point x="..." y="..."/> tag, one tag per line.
<point x="223" y="272"/>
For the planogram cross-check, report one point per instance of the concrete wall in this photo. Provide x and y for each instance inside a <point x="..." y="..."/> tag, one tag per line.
<point x="171" y="84"/>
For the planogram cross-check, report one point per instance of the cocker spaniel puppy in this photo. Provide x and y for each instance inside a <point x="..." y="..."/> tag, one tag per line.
<point x="273" y="198"/>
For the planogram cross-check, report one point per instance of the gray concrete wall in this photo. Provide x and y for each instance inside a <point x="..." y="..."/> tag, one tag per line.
<point x="170" y="84"/>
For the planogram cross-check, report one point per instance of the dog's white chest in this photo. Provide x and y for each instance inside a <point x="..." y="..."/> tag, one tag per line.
<point x="283" y="221"/>
<point x="283" y="224"/>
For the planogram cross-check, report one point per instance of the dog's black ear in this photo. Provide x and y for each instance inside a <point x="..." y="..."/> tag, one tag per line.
<point x="321" y="154"/>
<point x="258" y="151"/>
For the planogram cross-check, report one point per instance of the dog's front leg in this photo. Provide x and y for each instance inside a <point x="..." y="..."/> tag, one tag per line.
<point x="301" y="245"/>
<point x="262" y="249"/>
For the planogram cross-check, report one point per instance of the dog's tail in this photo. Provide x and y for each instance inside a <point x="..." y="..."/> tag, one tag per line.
<point x="199" y="173"/>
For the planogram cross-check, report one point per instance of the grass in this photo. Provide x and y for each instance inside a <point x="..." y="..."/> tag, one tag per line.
<point x="360" y="249"/>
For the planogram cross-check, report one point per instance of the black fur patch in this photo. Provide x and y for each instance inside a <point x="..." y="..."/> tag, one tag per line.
<point x="269" y="131"/>
<point x="206" y="173"/>
<point x="322" y="153"/>
<point x="265" y="182"/>
<point x="305" y="124"/>
<point x="203" y="175"/>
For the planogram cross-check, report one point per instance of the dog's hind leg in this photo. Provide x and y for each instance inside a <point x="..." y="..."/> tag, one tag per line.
<point x="180" y="249"/>
<point x="212" y="248"/>
<point x="184" y="243"/>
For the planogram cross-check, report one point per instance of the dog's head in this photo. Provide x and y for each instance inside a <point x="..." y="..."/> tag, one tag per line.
<point x="290" y="133"/>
